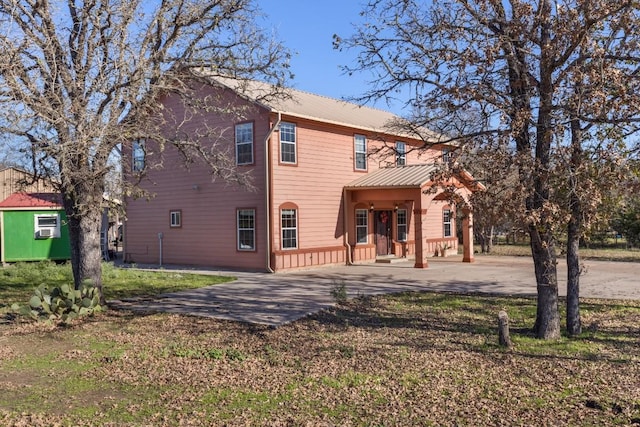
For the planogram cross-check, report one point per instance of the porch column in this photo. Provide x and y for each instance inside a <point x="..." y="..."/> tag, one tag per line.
<point x="421" y="235"/>
<point x="467" y="236"/>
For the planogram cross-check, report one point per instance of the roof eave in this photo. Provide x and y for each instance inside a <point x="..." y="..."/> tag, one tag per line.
<point x="385" y="187"/>
<point x="31" y="208"/>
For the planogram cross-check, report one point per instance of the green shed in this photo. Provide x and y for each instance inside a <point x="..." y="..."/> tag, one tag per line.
<point x="33" y="227"/>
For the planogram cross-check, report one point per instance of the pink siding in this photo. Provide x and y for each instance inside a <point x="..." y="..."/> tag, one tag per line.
<point x="208" y="232"/>
<point x="325" y="164"/>
<point x="314" y="186"/>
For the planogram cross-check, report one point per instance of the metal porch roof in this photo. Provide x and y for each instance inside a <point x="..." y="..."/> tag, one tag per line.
<point x="408" y="176"/>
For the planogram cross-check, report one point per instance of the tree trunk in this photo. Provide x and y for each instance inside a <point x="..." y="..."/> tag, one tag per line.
<point x="574" y="235"/>
<point x="574" y="326"/>
<point x="480" y="239"/>
<point x="84" y="236"/>
<point x="490" y="240"/>
<point x="547" y="325"/>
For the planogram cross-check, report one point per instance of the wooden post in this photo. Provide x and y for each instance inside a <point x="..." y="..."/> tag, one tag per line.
<point x="467" y="236"/>
<point x="503" y="329"/>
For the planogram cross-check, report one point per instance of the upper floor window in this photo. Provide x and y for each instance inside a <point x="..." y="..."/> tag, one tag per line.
<point x="287" y="142"/>
<point x="360" y="152"/>
<point x="138" y="154"/>
<point x="446" y="155"/>
<point x="176" y="219"/>
<point x="362" y="225"/>
<point x="401" y="154"/>
<point x="289" y="225"/>
<point x="401" y="220"/>
<point x="446" y="223"/>
<point x="246" y="223"/>
<point x="244" y="143"/>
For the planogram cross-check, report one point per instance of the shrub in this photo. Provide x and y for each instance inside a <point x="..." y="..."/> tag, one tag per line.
<point x="339" y="292"/>
<point x="60" y="303"/>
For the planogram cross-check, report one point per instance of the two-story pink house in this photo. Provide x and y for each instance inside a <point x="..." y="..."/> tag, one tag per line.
<point x="321" y="197"/>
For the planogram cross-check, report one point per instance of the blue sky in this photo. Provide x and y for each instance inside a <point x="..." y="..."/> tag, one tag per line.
<point x="307" y="29"/>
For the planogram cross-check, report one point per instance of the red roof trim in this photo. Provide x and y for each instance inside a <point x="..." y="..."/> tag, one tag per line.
<point x="32" y="200"/>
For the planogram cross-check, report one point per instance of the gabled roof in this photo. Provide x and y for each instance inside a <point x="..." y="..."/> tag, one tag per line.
<point x="305" y="105"/>
<point x="408" y="176"/>
<point x="32" y="200"/>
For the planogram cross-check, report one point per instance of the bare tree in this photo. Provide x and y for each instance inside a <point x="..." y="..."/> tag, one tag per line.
<point x="516" y="63"/>
<point x="79" y="80"/>
<point x="493" y="208"/>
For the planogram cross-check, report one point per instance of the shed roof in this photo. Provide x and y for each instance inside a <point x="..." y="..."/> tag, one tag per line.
<point x="408" y="176"/>
<point x="32" y="200"/>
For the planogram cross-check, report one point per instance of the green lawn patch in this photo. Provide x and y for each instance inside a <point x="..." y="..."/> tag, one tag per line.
<point x="18" y="281"/>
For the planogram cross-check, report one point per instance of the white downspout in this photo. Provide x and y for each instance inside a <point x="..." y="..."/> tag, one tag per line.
<point x="267" y="189"/>
<point x="345" y="219"/>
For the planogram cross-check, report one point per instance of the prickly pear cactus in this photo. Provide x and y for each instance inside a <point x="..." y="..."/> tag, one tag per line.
<point x="61" y="303"/>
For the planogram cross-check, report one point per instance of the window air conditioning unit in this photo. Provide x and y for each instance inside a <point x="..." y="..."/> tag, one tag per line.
<point x="45" y="232"/>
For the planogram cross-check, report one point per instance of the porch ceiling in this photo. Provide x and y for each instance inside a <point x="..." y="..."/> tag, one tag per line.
<point x="408" y="176"/>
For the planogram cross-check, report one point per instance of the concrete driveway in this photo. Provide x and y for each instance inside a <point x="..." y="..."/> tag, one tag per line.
<point x="276" y="299"/>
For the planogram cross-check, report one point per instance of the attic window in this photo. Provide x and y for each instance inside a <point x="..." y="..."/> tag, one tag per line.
<point x="46" y="226"/>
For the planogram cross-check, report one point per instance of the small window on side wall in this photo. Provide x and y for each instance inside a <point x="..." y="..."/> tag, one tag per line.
<point x="176" y="219"/>
<point x="46" y="226"/>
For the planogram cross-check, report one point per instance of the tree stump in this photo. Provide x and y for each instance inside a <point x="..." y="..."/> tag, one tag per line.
<point x="503" y="329"/>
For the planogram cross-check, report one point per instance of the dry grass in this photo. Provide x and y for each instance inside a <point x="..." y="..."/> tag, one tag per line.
<point x="602" y="254"/>
<point x="409" y="359"/>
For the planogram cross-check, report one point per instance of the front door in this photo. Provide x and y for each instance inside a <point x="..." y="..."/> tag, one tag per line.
<point x="383" y="232"/>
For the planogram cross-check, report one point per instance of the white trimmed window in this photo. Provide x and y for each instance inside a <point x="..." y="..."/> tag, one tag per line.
<point x="138" y="154"/>
<point x="46" y="226"/>
<point x="244" y="144"/>
<point x="446" y="223"/>
<point x="246" y="223"/>
<point x="401" y="153"/>
<point x="360" y="152"/>
<point x="401" y="220"/>
<point x="362" y="225"/>
<point x="176" y="219"/>
<point x="446" y="155"/>
<point x="289" y="225"/>
<point x="287" y="142"/>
